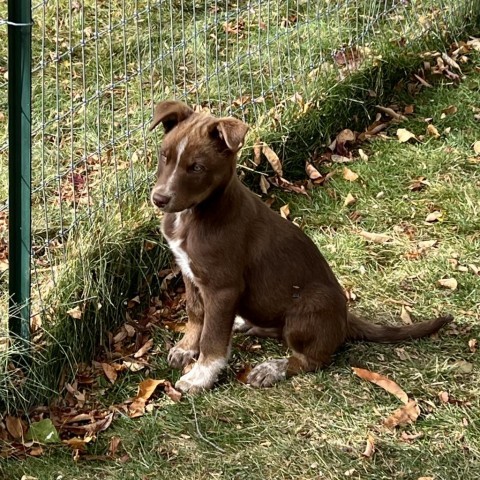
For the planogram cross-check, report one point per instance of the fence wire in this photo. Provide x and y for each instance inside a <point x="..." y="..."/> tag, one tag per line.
<point x="99" y="66"/>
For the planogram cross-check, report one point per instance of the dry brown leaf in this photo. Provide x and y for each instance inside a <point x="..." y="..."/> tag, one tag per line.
<point x="345" y="136"/>
<point x="113" y="445"/>
<point x="404" y="415"/>
<point x="409" y="437"/>
<point x="340" y="159"/>
<point x="177" y="327"/>
<point x="349" y="200"/>
<point x="257" y="153"/>
<point x="476" y="147"/>
<point x="405" y="316"/>
<point x="425" y="478"/>
<point x="145" y="391"/>
<point x="444" y="397"/>
<point x="349" y="175"/>
<point x="369" y="447"/>
<point x="409" y="109"/>
<point x="432" y="131"/>
<point x="170" y="391"/>
<point x="264" y="185"/>
<point x="473" y="345"/>
<point x="285" y="211"/>
<point x="14" y="427"/>
<point x="110" y="372"/>
<point x="404" y="135"/>
<point x="144" y="349"/>
<point x="427" y="244"/>
<point x="312" y="172"/>
<point x="450" y="283"/>
<point x="273" y="159"/>
<point x="375" y="237"/>
<point x="75" y="312"/>
<point x="389" y="385"/>
<point x="434" y="216"/>
<point x="450" y="110"/>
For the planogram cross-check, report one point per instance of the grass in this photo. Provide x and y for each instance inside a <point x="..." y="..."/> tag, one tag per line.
<point x="315" y="426"/>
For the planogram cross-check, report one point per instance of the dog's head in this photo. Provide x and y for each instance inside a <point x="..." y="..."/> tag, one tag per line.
<point x="197" y="156"/>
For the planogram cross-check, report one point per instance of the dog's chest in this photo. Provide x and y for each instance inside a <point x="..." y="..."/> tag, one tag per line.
<point x="174" y="232"/>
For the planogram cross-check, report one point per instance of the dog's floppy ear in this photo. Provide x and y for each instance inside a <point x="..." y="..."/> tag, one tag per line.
<point x="170" y="113"/>
<point x="232" y="132"/>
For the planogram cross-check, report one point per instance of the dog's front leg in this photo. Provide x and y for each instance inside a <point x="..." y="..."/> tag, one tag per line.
<point x="220" y="308"/>
<point x="187" y="349"/>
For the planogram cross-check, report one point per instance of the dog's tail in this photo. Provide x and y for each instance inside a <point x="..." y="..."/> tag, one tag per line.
<point x="360" y="329"/>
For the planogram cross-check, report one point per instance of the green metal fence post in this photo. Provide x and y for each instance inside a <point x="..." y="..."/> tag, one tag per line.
<point x="19" y="168"/>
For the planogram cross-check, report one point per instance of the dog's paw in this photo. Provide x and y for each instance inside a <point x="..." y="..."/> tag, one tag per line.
<point x="240" y="325"/>
<point x="268" y="373"/>
<point x="180" y="358"/>
<point x="201" y="377"/>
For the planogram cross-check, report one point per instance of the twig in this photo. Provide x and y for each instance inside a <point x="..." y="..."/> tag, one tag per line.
<point x="199" y="433"/>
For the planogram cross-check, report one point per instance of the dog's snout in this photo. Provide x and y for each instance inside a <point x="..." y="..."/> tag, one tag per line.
<point x="160" y="200"/>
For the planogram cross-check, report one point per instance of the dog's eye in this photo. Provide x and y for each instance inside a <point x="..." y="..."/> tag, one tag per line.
<point x="196" y="167"/>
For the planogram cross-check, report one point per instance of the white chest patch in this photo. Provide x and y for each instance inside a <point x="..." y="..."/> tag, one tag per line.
<point x="175" y="244"/>
<point x="181" y="257"/>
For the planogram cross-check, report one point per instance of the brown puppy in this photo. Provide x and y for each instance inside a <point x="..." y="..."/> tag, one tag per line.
<point x="241" y="259"/>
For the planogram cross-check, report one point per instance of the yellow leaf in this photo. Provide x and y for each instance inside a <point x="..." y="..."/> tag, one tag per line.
<point x="75" y="312"/>
<point x="349" y="200"/>
<point x="362" y="155"/>
<point x="349" y="175"/>
<point x="404" y="135"/>
<point x="476" y="147"/>
<point x="432" y="131"/>
<point x="285" y="211"/>
<point x="450" y="283"/>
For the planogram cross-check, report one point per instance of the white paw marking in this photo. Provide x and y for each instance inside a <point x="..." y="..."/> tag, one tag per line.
<point x="201" y="377"/>
<point x="240" y="325"/>
<point x="268" y="373"/>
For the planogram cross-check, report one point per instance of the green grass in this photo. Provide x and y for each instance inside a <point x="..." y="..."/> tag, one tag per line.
<point x="315" y="426"/>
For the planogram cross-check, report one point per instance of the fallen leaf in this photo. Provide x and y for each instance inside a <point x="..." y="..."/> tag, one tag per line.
<point x="264" y="185"/>
<point x="340" y="159"/>
<point x="349" y="200"/>
<point x="143" y="350"/>
<point x="175" y="395"/>
<point x="75" y="312"/>
<point x="432" y="131"/>
<point x="110" y="372"/>
<point x="257" y="153"/>
<point x="409" y="109"/>
<point x="345" y="136"/>
<point x="145" y="391"/>
<point x="427" y="244"/>
<point x="462" y="366"/>
<point x="285" y="211"/>
<point x="43" y="431"/>
<point x="113" y="445"/>
<point x="177" y="327"/>
<point x="425" y="478"/>
<point x="434" y="216"/>
<point x="14" y="427"/>
<point x="405" y="316"/>
<point x="389" y="385"/>
<point x="349" y="175"/>
<point x="375" y="237"/>
<point x="36" y="452"/>
<point x="312" y="172"/>
<point x="450" y="110"/>
<point x="450" y="283"/>
<point x="444" y="397"/>
<point x="408" y="437"/>
<point x="404" y="135"/>
<point x="473" y="345"/>
<point x="77" y="443"/>
<point x="362" y="155"/>
<point x="476" y="147"/>
<point x="369" y="447"/>
<point x="273" y="159"/>
<point x="404" y="415"/>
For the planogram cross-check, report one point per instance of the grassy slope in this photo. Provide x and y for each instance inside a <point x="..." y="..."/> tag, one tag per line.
<point x="315" y="426"/>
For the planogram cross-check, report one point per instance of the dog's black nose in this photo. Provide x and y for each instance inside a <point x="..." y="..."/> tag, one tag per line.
<point x="160" y="200"/>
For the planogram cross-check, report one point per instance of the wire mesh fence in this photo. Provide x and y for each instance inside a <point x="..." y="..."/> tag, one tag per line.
<point x="99" y="66"/>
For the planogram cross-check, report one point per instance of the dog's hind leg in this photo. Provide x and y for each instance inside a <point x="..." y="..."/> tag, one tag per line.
<point x="313" y="338"/>
<point x="187" y="349"/>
